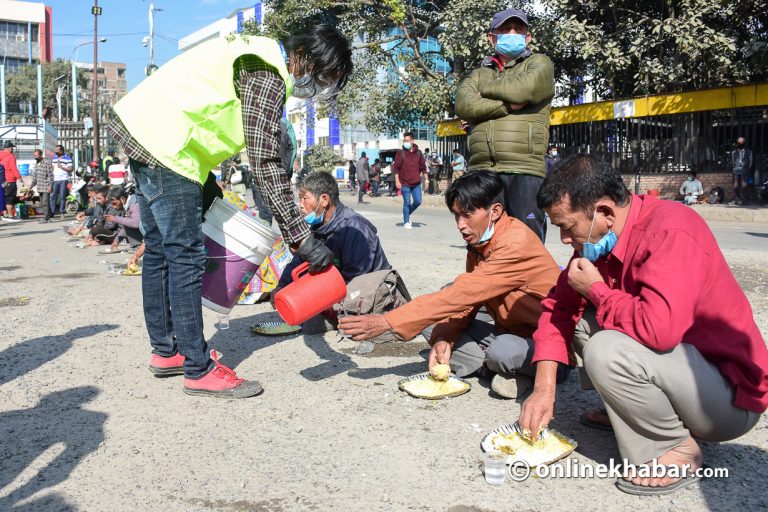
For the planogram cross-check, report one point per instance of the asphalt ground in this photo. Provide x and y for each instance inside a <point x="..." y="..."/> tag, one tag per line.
<point x="85" y="426"/>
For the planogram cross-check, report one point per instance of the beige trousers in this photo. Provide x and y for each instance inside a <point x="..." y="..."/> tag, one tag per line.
<point x="656" y="400"/>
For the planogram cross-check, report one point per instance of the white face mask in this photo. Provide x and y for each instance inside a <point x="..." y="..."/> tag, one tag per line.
<point x="488" y="231"/>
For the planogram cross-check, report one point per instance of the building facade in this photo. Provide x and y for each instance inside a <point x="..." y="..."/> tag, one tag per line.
<point x="25" y="34"/>
<point x="111" y="86"/>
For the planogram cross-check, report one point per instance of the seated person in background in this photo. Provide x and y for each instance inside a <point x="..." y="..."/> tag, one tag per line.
<point x="666" y="335"/>
<point x="508" y="272"/>
<point x="102" y="232"/>
<point x="85" y="217"/>
<point x="351" y="237"/>
<point x="691" y="189"/>
<point x="127" y="219"/>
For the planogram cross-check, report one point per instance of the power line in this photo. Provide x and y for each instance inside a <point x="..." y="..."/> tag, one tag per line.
<point x="80" y="34"/>
<point x="167" y="38"/>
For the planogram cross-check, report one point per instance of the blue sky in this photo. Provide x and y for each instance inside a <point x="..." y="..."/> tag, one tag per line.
<point x="125" y="22"/>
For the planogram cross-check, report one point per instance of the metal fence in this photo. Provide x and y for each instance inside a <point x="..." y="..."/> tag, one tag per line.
<point x="698" y="141"/>
<point x="77" y="140"/>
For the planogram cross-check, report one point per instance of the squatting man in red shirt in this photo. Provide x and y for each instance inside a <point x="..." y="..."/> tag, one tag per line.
<point x="664" y="332"/>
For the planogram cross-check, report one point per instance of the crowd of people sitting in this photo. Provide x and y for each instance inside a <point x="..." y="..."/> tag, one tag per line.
<point x="111" y="217"/>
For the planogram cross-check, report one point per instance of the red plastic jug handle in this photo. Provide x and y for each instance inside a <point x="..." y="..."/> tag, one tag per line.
<point x="298" y="270"/>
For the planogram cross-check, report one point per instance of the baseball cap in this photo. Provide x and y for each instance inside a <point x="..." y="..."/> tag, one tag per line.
<point x="8" y="144"/>
<point x="500" y="17"/>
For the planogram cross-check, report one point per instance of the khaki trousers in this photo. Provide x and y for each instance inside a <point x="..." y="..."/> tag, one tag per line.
<point x="656" y="400"/>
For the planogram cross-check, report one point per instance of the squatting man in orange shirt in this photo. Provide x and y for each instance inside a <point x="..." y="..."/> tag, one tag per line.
<point x="508" y="272"/>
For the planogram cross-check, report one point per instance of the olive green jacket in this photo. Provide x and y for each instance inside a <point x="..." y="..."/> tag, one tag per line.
<point x="503" y="137"/>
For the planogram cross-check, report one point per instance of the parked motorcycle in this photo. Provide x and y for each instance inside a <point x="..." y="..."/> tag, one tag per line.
<point x="78" y="197"/>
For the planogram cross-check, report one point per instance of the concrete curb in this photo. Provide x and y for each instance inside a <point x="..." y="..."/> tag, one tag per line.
<point x="709" y="212"/>
<point x="732" y="213"/>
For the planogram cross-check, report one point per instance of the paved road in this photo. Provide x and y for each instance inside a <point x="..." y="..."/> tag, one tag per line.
<point x="84" y="426"/>
<point x="436" y="223"/>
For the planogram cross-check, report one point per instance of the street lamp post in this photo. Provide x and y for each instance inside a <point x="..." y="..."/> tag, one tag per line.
<point x="75" y="114"/>
<point x="96" y="10"/>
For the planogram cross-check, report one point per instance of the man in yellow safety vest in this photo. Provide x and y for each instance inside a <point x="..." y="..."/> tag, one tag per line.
<point x="176" y="126"/>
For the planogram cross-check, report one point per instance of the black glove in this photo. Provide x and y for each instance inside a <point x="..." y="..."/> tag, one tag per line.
<point x="211" y="190"/>
<point x="316" y="254"/>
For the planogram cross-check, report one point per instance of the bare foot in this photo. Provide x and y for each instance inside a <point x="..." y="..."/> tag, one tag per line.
<point x="686" y="453"/>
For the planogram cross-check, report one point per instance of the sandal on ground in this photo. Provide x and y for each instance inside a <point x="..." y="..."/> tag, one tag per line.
<point x="642" y="490"/>
<point x="586" y="419"/>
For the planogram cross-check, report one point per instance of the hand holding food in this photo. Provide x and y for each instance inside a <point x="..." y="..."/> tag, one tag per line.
<point x="440" y="372"/>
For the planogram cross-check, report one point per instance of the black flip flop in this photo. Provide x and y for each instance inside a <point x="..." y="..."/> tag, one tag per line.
<point x="585" y="420"/>
<point x="642" y="490"/>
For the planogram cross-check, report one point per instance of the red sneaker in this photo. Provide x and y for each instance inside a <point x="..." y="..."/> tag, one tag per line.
<point x="166" y="366"/>
<point x="222" y="382"/>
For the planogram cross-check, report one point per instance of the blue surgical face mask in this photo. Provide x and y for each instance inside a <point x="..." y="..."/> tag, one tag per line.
<point x="510" y="45"/>
<point x="554" y="154"/>
<point x="690" y="178"/>
<point x="304" y="87"/>
<point x="488" y="232"/>
<point x="602" y="247"/>
<point x="313" y="219"/>
<point x="407" y="146"/>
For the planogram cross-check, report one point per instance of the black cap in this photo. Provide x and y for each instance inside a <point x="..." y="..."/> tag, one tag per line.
<point x="8" y="144"/>
<point x="500" y="17"/>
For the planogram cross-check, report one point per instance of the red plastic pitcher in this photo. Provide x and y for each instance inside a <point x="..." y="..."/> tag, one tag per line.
<point x="309" y="294"/>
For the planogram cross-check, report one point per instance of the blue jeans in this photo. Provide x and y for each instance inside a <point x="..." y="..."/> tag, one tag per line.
<point x="264" y="212"/>
<point x="174" y="260"/>
<point x="58" y="195"/>
<point x="408" y="206"/>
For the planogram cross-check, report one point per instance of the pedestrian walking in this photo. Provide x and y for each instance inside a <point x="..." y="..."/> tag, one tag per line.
<point x="12" y="175"/>
<point x="434" y="166"/>
<point x="375" y="177"/>
<point x="361" y="170"/>
<point x="352" y="175"/>
<point x="42" y="178"/>
<point x="62" y="171"/>
<point x="741" y="169"/>
<point x="458" y="165"/>
<point x="409" y="167"/>
<point x="551" y="159"/>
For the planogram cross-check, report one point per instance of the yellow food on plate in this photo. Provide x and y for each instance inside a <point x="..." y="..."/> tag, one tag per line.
<point x="544" y="450"/>
<point x="440" y="372"/>
<point x="431" y="388"/>
<point x="133" y="269"/>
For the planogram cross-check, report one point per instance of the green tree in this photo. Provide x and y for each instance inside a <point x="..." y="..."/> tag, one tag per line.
<point x="400" y="74"/>
<point x="21" y="86"/>
<point x="643" y="47"/>
<point x="619" y="47"/>
<point x="321" y="158"/>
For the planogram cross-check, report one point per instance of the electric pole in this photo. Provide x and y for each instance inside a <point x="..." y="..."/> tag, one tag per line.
<point x="151" y="67"/>
<point x="96" y="11"/>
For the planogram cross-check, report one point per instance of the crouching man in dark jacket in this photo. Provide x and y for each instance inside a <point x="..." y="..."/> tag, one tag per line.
<point x="351" y="237"/>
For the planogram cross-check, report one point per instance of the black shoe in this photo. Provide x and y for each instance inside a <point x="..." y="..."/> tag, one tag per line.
<point x="45" y="221"/>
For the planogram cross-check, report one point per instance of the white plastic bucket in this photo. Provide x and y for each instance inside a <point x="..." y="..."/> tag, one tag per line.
<point x="235" y="245"/>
